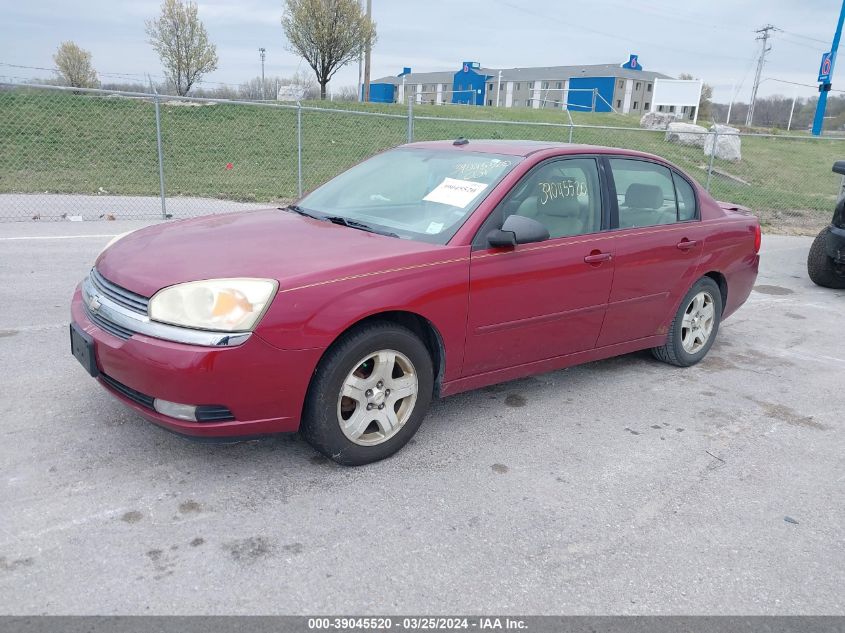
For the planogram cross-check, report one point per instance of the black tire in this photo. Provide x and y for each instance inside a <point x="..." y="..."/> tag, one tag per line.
<point x="673" y="351"/>
<point x="821" y="267"/>
<point x="320" y="424"/>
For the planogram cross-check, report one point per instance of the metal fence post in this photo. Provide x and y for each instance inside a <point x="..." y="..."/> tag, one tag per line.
<point x="712" y="154"/>
<point x="160" y="158"/>
<point x="410" y="120"/>
<point x="299" y="148"/>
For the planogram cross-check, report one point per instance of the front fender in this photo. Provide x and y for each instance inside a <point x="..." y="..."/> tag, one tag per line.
<point x="315" y="315"/>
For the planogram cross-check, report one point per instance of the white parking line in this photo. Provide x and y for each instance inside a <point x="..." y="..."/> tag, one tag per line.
<point x="54" y="237"/>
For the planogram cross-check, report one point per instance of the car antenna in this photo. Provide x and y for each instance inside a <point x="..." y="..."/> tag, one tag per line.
<point x="460" y="141"/>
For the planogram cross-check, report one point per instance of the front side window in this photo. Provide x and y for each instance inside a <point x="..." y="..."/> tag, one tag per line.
<point x="645" y="193"/>
<point x="564" y="195"/>
<point x="420" y="194"/>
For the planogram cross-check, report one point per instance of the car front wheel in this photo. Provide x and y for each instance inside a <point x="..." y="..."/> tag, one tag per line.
<point x="369" y="394"/>
<point x="694" y="327"/>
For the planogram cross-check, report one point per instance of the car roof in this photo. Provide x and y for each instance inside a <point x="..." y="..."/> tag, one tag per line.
<point x="524" y="148"/>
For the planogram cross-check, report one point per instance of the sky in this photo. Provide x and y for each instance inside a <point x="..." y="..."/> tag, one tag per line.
<point x="713" y="40"/>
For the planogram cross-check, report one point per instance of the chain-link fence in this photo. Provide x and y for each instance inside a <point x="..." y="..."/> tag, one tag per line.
<point x="88" y="154"/>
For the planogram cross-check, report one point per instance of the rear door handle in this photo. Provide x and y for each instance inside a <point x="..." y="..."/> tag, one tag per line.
<point x="597" y="258"/>
<point x="686" y="244"/>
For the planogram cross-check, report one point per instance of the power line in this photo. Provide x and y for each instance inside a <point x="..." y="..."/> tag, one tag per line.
<point x="582" y="28"/>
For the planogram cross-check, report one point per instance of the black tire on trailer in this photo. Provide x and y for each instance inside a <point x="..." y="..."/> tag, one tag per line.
<point x="822" y="269"/>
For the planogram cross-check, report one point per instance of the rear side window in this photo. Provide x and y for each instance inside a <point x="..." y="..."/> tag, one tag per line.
<point x="686" y="199"/>
<point x="645" y="193"/>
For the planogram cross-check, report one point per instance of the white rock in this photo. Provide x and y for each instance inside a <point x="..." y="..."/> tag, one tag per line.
<point x="728" y="143"/>
<point x="657" y="120"/>
<point x="686" y="134"/>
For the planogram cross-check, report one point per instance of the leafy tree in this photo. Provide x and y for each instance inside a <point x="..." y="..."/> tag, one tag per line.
<point x="74" y="66"/>
<point x="328" y="34"/>
<point x="180" y="39"/>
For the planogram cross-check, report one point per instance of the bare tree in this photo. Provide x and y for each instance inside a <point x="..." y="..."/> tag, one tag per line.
<point x="74" y="66"/>
<point x="347" y="93"/>
<point x="182" y="44"/>
<point x="252" y="90"/>
<point x="328" y="34"/>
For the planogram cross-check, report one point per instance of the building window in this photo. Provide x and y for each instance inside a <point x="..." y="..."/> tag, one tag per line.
<point x="545" y="85"/>
<point x="645" y="107"/>
<point x="637" y="87"/>
<point x="671" y="108"/>
<point x="636" y="104"/>
<point x="619" y="103"/>
<point x="559" y="85"/>
<point x="684" y="110"/>
<point x="489" y="102"/>
<point x="648" y="87"/>
<point x="490" y="87"/>
<point x="621" y="84"/>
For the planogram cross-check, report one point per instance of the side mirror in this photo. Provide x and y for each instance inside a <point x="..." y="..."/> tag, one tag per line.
<point x="518" y="229"/>
<point x="839" y="167"/>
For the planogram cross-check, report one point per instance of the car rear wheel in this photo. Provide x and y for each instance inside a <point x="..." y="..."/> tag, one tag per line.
<point x="694" y="327"/>
<point x="822" y="269"/>
<point x="369" y="394"/>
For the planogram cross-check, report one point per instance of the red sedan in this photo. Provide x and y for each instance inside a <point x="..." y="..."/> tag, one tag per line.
<point x="422" y="272"/>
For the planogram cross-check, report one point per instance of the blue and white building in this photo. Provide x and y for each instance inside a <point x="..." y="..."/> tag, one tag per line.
<point x="624" y="88"/>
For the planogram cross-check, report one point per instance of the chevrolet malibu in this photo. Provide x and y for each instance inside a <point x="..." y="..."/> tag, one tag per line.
<point x="427" y="270"/>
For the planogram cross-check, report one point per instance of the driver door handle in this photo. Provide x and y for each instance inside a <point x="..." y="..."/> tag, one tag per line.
<point x="686" y="244"/>
<point x="597" y="258"/>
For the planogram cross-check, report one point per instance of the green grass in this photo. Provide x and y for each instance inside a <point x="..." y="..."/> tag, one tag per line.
<point x="64" y="143"/>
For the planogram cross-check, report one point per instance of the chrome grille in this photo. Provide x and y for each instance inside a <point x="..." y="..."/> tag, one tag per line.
<point x="121" y="296"/>
<point x="109" y="326"/>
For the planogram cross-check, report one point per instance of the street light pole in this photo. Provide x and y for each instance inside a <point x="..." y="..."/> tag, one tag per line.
<point x="824" y="88"/>
<point x="262" y="51"/>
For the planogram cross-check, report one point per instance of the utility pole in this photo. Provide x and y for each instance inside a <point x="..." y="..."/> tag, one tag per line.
<point x="824" y="86"/>
<point x="765" y="34"/>
<point x="367" y="55"/>
<point x="262" y="51"/>
<point x="360" y="68"/>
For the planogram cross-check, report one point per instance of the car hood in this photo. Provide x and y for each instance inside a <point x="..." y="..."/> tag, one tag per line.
<point x="271" y="244"/>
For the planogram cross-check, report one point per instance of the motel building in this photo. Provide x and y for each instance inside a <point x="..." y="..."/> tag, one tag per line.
<point x="623" y="88"/>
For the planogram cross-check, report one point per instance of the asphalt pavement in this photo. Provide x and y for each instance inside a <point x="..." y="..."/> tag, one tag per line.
<point x="624" y="486"/>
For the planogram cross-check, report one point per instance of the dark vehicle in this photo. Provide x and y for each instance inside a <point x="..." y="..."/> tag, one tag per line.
<point x="826" y="261"/>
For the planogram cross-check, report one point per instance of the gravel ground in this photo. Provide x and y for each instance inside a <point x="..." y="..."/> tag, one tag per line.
<point x="624" y="486"/>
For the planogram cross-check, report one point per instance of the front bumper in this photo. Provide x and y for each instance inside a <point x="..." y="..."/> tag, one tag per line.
<point x="263" y="387"/>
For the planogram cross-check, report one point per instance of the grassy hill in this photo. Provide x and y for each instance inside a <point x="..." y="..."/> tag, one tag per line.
<point x="64" y="143"/>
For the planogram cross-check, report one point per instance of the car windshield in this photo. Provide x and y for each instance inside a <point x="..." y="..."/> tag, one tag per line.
<point x="420" y="194"/>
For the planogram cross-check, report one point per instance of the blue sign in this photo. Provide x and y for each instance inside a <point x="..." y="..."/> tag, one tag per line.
<point x="633" y="63"/>
<point x="825" y="68"/>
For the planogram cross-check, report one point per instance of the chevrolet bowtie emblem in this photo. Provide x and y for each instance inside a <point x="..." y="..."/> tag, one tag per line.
<point x="94" y="303"/>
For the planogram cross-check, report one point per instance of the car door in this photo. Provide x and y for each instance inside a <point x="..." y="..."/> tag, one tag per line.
<point x="538" y="301"/>
<point x="658" y="243"/>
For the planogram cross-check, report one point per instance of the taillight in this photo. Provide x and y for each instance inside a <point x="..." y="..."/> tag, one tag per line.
<point x="758" y="237"/>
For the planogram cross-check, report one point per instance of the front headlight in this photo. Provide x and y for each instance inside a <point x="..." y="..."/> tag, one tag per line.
<point x="223" y="305"/>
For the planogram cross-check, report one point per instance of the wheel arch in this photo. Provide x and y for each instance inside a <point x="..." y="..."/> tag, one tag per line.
<point x="418" y="324"/>
<point x="722" y="282"/>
